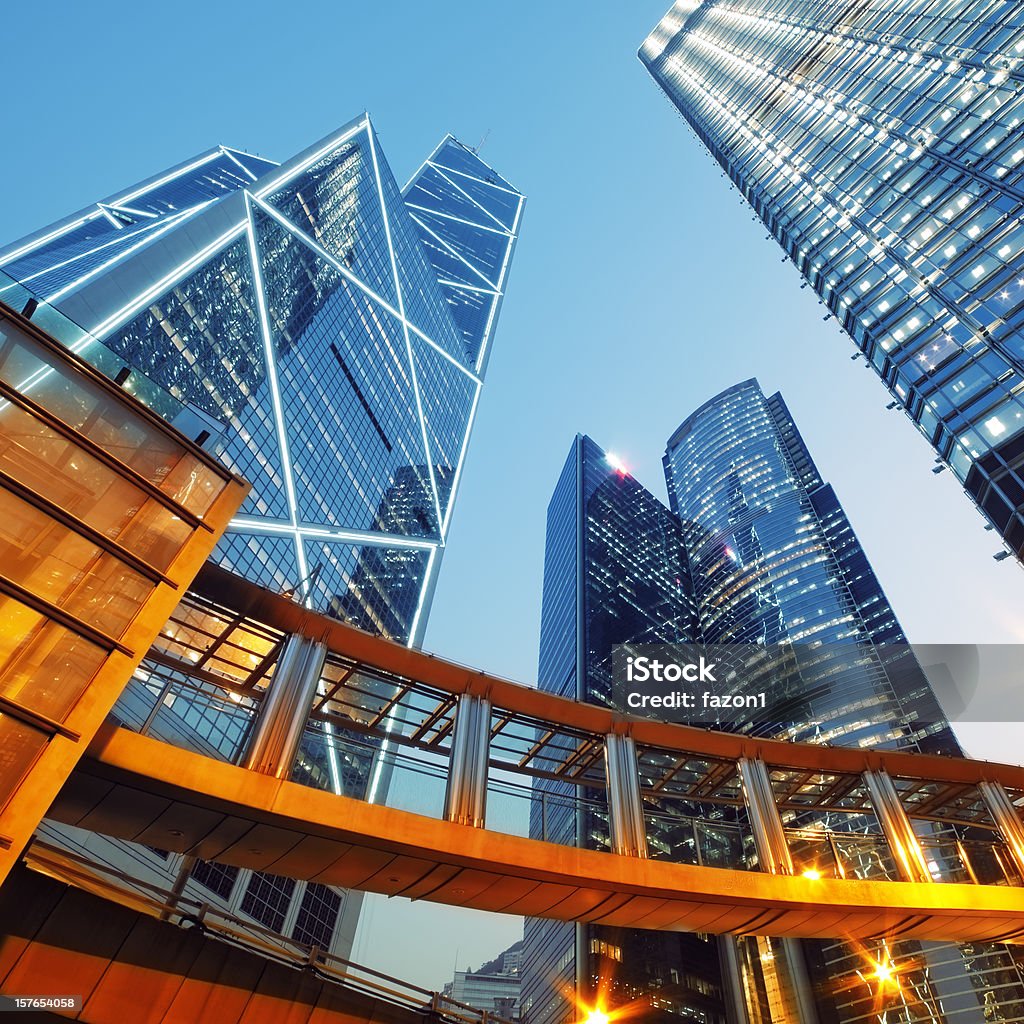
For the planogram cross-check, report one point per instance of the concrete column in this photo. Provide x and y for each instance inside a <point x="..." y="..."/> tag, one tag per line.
<point x="625" y="804"/>
<point x="1004" y="814"/>
<point x="466" y="798"/>
<point x="769" y="835"/>
<point x="899" y="833"/>
<point x="284" y="712"/>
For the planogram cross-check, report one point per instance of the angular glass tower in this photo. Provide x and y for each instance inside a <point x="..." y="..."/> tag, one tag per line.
<point x="881" y="145"/>
<point x="332" y="331"/>
<point x="614" y="572"/>
<point x="330" y="334"/>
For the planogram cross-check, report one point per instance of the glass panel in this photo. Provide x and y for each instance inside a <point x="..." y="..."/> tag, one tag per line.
<point x="54" y="467"/>
<point x="20" y="745"/>
<point x="88" y="409"/>
<point x="43" y="666"/>
<point x="67" y="570"/>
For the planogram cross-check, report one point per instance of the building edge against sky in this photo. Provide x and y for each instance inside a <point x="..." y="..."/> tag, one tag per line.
<point x="328" y="334"/>
<point x="880" y="145"/>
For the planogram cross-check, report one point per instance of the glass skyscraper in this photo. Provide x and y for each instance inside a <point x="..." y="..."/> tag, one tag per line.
<point x="756" y="550"/>
<point x="615" y="572"/>
<point x="775" y="561"/>
<point x="328" y="332"/>
<point x="330" y="329"/>
<point x="880" y="143"/>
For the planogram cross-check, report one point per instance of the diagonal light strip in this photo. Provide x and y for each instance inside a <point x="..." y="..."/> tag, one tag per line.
<point x="466" y="287"/>
<point x="118" y="224"/>
<point x="502" y="230"/>
<point x="440" y="241"/>
<point x="168" y="281"/>
<point x="372" y="538"/>
<point x="245" y="170"/>
<point x="291" y="172"/>
<point x="145" y="237"/>
<point x="474" y="177"/>
<point x="472" y="199"/>
<point x="488" y="330"/>
<point x="458" y="465"/>
<point x="405" y="329"/>
<point x="274" y="387"/>
<point x="359" y="283"/>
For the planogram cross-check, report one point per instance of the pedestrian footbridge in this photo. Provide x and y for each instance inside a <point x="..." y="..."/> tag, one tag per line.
<point x="620" y="821"/>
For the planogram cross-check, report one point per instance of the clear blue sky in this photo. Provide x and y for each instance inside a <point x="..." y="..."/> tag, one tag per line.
<point x="640" y="287"/>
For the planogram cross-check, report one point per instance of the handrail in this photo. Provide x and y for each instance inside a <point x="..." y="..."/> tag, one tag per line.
<point x="93" y="875"/>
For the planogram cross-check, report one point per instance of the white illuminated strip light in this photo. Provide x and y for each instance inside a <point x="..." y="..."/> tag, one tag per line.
<point x="251" y="524"/>
<point x="176" y="276"/>
<point x="440" y="241"/>
<point x="405" y="328"/>
<point x="275" y="393"/>
<point x="147" y="237"/>
<point x="476" y="202"/>
<point x="360" y="284"/>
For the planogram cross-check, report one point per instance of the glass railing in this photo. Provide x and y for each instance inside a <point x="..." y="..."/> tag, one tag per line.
<point x="87" y="346"/>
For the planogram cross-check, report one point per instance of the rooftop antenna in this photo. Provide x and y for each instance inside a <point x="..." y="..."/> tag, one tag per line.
<point x="480" y="145"/>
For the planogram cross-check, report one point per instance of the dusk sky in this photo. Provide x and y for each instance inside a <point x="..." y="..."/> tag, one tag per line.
<point x="640" y="288"/>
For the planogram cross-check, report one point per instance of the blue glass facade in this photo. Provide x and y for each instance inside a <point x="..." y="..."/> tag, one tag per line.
<point x="336" y="330"/>
<point x="774" y="560"/>
<point x="756" y="549"/>
<point x="880" y="143"/>
<point x="615" y="571"/>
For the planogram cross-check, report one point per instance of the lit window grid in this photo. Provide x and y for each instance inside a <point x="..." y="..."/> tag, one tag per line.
<point x="815" y="125"/>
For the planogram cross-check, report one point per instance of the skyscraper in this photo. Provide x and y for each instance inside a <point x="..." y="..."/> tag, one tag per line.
<point x="773" y="560"/>
<point x="614" y="572"/>
<point x="329" y="334"/>
<point x="756" y="550"/>
<point x="333" y="332"/>
<point x="880" y="143"/>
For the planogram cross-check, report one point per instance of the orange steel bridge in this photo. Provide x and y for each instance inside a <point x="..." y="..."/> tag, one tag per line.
<point x="687" y="829"/>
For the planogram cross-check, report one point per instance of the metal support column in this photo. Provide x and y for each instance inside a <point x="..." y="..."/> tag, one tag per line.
<point x="769" y="835"/>
<point x="786" y="974"/>
<point x="284" y="712"/>
<point x="465" y="800"/>
<point x="1004" y="814"/>
<point x="896" y="826"/>
<point x="625" y="804"/>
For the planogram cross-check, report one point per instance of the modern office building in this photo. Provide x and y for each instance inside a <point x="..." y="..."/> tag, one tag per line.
<point x="614" y="572"/>
<point x="756" y="550"/>
<point x="326" y="334"/>
<point x="880" y="143"/>
<point x="494" y="986"/>
<point x="331" y="331"/>
<point x="773" y="560"/>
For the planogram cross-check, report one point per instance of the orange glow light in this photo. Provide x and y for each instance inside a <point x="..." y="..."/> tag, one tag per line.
<point x="813" y="874"/>
<point x="596" y="1017"/>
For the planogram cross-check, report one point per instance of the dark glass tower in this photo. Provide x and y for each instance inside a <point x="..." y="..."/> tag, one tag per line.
<point x="331" y="331"/>
<point x="880" y="143"/>
<point x="756" y="550"/>
<point x="614" y="572"/>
